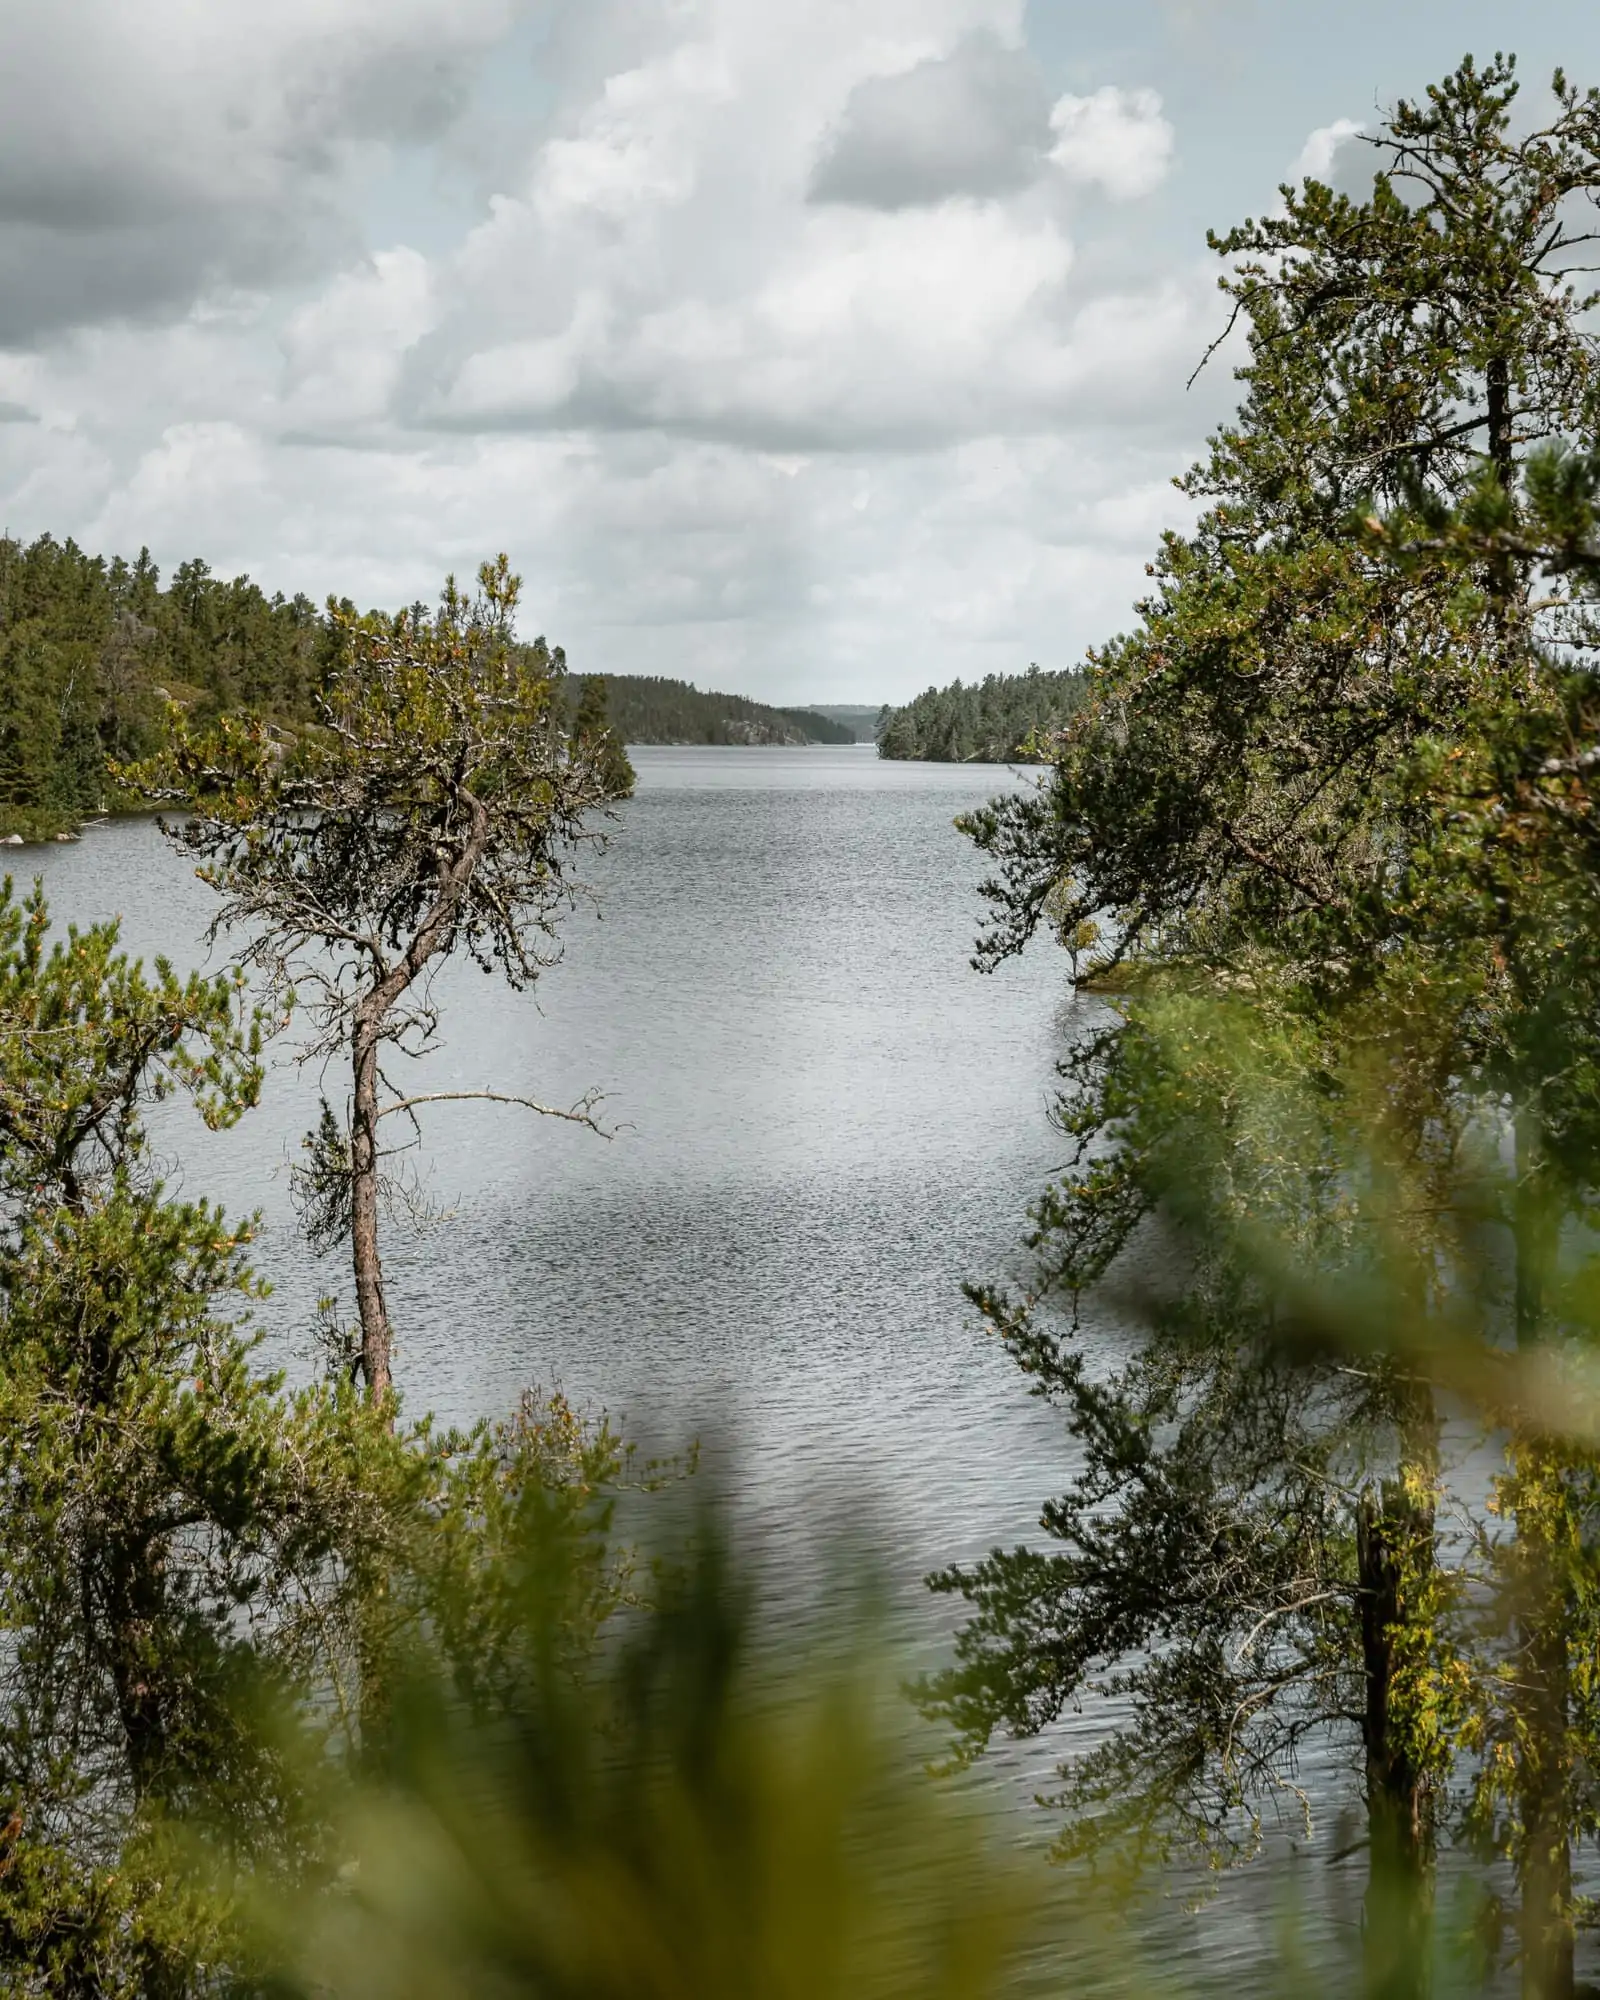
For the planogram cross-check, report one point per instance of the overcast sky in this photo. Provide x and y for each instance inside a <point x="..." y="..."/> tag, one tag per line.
<point x="807" y="348"/>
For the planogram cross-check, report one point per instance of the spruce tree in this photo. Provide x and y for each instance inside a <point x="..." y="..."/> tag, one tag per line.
<point x="594" y="737"/>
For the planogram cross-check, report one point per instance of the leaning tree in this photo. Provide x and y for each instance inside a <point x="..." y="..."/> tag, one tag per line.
<point x="434" y="809"/>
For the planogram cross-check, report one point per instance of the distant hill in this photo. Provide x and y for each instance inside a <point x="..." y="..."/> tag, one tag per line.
<point x="644" y="708"/>
<point x="988" y="722"/>
<point x="860" y="718"/>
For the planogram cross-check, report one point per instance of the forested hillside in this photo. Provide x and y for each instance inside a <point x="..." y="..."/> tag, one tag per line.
<point x="92" y="648"/>
<point x="984" y="723"/>
<point x="860" y="718"/>
<point x="644" y="708"/>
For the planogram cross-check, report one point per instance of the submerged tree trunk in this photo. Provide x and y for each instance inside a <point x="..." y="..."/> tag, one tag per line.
<point x="1394" y="1530"/>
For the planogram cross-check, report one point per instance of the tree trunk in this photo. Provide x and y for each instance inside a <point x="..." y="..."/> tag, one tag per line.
<point x="1543" y="1621"/>
<point x="432" y="936"/>
<point x="1497" y="396"/>
<point x="1535" y="1229"/>
<point x="1546" y="1861"/>
<point x="1399" y="1901"/>
<point x="135" y="1599"/>
<point x="376" y="1338"/>
<point x="134" y="1602"/>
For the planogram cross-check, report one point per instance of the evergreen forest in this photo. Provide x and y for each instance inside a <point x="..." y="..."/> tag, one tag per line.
<point x="92" y="652"/>
<point x="859" y="717"/>
<point x="644" y="708"/>
<point x="1005" y="718"/>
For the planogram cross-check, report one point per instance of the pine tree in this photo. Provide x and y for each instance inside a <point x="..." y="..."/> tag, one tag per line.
<point x="208" y="1583"/>
<point x="1261" y="798"/>
<point x="434" y="810"/>
<point x="594" y="738"/>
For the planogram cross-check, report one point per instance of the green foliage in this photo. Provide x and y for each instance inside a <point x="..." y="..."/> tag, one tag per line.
<point x="156" y="1484"/>
<point x="1326" y="807"/>
<point x="434" y="730"/>
<point x="206" y="1579"/>
<point x="687" y="1817"/>
<point x="1007" y="718"/>
<point x="435" y="808"/>
<point x="91" y="651"/>
<point x="592" y="733"/>
<point x="87" y="1040"/>
<point x="159" y="1510"/>
<point x="1207" y="1572"/>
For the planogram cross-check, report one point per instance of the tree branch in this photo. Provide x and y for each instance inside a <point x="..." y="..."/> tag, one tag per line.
<point x="581" y="1113"/>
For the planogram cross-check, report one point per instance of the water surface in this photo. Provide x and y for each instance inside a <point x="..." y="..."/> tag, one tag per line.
<point x="823" y="1122"/>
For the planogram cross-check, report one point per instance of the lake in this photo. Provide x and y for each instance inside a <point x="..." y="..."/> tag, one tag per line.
<point x="823" y="1122"/>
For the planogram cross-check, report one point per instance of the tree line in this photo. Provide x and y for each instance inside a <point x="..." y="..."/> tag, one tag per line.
<point x="91" y="650"/>
<point x="94" y="653"/>
<point x="644" y="708"/>
<point x="1005" y="718"/>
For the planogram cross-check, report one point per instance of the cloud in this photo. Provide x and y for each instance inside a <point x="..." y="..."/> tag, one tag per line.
<point x="974" y="122"/>
<point x="1114" y="139"/>
<point x="636" y="147"/>
<point x="868" y="327"/>
<point x="344" y="351"/>
<point x="637" y="276"/>
<point x="150" y="154"/>
<point x="1322" y="151"/>
<point x="779" y="346"/>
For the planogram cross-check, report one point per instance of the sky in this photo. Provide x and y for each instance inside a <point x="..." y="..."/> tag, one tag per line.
<point x="810" y="349"/>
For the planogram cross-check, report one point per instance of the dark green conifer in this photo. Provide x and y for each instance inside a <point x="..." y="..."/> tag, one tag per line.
<point x="1281" y="787"/>
<point x="593" y="735"/>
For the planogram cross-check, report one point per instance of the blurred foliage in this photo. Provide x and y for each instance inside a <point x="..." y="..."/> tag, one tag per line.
<point x="695" y="1815"/>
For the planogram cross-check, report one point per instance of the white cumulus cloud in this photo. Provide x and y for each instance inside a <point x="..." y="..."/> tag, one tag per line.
<point x="777" y="345"/>
<point x="1316" y="158"/>
<point x="1114" y="139"/>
